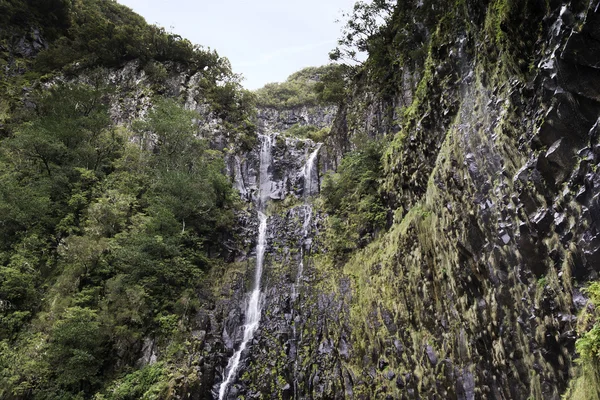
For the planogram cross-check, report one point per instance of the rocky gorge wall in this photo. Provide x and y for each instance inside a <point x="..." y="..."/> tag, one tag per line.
<point x="474" y="290"/>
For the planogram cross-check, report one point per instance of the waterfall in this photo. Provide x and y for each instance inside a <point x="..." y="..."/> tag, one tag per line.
<point x="307" y="173"/>
<point x="253" y="307"/>
<point x="308" y="170"/>
<point x="264" y="190"/>
<point x="309" y="190"/>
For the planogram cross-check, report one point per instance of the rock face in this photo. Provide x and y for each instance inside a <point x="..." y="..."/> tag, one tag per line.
<point x="286" y="172"/>
<point x="273" y="120"/>
<point x="473" y="291"/>
<point x="288" y="183"/>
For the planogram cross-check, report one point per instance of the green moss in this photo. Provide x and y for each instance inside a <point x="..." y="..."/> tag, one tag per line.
<point x="586" y="383"/>
<point x="314" y="133"/>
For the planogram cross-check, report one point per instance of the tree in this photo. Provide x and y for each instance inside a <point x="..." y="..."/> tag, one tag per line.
<point x="332" y="86"/>
<point x="362" y="26"/>
<point x="77" y="349"/>
<point x="189" y="184"/>
<point x="71" y="129"/>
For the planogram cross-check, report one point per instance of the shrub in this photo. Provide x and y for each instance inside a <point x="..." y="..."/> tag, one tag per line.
<point x="307" y="87"/>
<point x="352" y="200"/>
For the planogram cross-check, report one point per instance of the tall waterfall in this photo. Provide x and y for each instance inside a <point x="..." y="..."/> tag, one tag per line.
<point x="253" y="307"/>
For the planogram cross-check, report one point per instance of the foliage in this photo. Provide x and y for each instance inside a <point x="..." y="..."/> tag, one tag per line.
<point x="236" y="107"/>
<point x="301" y="131"/>
<point x="333" y="84"/>
<point x="147" y="383"/>
<point x="586" y="383"/>
<point x="103" y="32"/>
<point x="587" y="380"/>
<point x="588" y="345"/>
<point x="76" y="350"/>
<point x="98" y="32"/>
<point x="307" y="87"/>
<point x="105" y="235"/>
<point x="352" y="200"/>
<point x="105" y="231"/>
<point x="51" y="15"/>
<point x="362" y="26"/>
<point x="307" y="132"/>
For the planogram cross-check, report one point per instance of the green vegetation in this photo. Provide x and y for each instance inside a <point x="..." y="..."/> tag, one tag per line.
<point x="307" y="87"/>
<point x="307" y="132"/>
<point x="588" y="346"/>
<point x="105" y="234"/>
<point x="106" y="231"/>
<point x="98" y="32"/>
<point x="352" y="200"/>
<point x="50" y="15"/>
<point x="362" y="29"/>
<point x="586" y="383"/>
<point x="102" y="33"/>
<point x="147" y="383"/>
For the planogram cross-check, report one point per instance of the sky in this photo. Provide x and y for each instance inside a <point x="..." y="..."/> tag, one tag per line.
<point x="265" y="40"/>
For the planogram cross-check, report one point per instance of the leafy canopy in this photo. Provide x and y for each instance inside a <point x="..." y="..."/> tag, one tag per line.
<point x="105" y="235"/>
<point x="307" y="87"/>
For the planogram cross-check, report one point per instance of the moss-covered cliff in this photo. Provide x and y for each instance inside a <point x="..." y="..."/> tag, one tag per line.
<point x="473" y="289"/>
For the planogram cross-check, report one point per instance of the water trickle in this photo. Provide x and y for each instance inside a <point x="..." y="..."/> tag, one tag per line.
<point x="238" y="178"/>
<point x="309" y="190"/>
<point x="253" y="306"/>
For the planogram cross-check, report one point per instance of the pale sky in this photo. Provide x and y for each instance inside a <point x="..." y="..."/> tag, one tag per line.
<point x="265" y="40"/>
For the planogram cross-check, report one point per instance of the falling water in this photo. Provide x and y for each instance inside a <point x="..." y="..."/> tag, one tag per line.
<point x="309" y="190"/>
<point x="265" y="162"/>
<point x="253" y="308"/>
<point x="308" y="170"/>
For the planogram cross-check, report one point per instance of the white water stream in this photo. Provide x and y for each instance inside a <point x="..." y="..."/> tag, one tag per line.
<point x="309" y="190"/>
<point x="307" y="172"/>
<point x="253" y="307"/>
